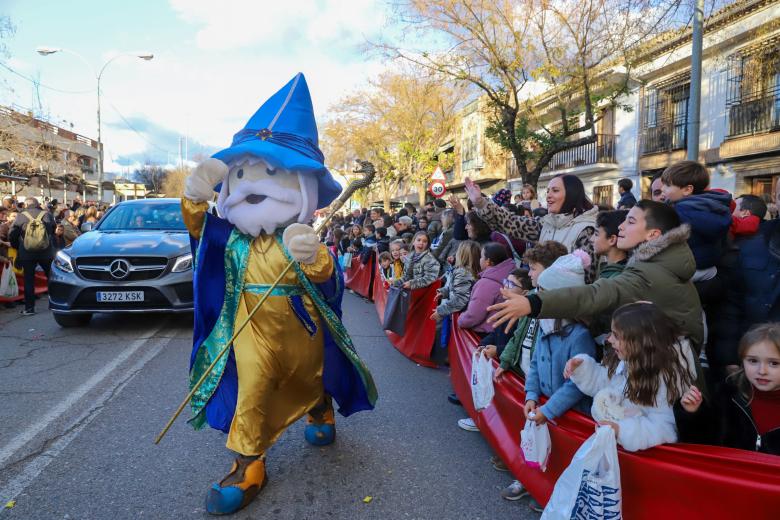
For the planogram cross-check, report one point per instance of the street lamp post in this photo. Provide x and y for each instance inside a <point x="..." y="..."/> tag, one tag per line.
<point x="146" y="56"/>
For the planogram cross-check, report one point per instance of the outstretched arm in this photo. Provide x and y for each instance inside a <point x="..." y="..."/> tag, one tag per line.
<point x="198" y="190"/>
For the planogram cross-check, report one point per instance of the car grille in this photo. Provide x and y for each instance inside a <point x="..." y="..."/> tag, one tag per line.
<point x="137" y="268"/>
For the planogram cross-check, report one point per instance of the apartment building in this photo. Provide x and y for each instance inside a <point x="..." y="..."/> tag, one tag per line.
<point x="40" y="159"/>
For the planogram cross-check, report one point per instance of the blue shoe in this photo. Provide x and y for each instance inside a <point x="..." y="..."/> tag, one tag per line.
<point x="226" y="500"/>
<point x="320" y="434"/>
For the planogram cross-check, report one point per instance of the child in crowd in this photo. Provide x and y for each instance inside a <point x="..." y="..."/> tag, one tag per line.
<point x="454" y="296"/>
<point x="496" y="266"/>
<point x="614" y="261"/>
<point x="708" y="214"/>
<point x="398" y="252"/>
<point x="386" y="265"/>
<point x="745" y="412"/>
<point x="420" y="267"/>
<point x="554" y="342"/>
<point x="516" y="355"/>
<point x="369" y="238"/>
<point x="646" y="371"/>
<point x="382" y="241"/>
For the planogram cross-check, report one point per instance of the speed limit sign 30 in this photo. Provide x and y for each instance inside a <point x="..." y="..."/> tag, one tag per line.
<point x="437" y="188"/>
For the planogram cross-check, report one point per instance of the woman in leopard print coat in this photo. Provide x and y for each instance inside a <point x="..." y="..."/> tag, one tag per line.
<point x="571" y="218"/>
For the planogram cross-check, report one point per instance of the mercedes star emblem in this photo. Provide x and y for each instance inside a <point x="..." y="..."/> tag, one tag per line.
<point x="119" y="269"/>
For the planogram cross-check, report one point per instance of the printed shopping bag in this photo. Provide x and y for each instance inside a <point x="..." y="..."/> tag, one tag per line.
<point x="8" y="286"/>
<point x="590" y="487"/>
<point x="535" y="445"/>
<point x="482" y="390"/>
<point x="396" y="309"/>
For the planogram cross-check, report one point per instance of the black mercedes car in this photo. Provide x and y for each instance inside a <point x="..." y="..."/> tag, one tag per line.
<point x="136" y="259"/>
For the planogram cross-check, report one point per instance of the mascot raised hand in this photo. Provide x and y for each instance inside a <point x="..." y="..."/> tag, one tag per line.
<point x="294" y="357"/>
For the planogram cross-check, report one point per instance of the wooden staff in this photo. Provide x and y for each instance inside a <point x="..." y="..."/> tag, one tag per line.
<point x="368" y="175"/>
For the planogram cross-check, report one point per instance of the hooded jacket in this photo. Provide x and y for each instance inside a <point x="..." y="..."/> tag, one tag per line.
<point x="709" y="216"/>
<point x="455" y="294"/>
<point x="659" y="271"/>
<point x="485" y="293"/>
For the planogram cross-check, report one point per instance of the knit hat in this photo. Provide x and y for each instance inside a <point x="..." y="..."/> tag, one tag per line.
<point x="566" y="271"/>
<point x="502" y="196"/>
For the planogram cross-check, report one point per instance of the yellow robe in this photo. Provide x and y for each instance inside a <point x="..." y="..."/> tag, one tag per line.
<point x="279" y="364"/>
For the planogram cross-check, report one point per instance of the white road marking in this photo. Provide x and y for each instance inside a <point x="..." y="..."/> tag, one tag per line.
<point x="52" y="415"/>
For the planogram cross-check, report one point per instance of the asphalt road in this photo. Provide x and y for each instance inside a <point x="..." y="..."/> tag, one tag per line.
<point x="80" y="409"/>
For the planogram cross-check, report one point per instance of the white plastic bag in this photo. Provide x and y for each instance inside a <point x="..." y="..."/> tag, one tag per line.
<point x="590" y="487"/>
<point x="535" y="445"/>
<point x="481" y="381"/>
<point x="8" y="286"/>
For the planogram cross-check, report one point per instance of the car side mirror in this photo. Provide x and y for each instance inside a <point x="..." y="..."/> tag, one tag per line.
<point x="86" y="227"/>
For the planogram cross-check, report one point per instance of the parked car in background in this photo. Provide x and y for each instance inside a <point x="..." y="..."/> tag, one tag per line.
<point x="136" y="259"/>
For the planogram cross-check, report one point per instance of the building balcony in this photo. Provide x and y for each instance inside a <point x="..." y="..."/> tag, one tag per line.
<point x="755" y="116"/>
<point x="601" y="151"/>
<point x="665" y="136"/>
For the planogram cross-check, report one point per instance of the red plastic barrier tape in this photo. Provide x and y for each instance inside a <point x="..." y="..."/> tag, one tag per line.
<point x="41" y="286"/>
<point x="360" y="277"/>
<point x="670" y="481"/>
<point x="417" y="343"/>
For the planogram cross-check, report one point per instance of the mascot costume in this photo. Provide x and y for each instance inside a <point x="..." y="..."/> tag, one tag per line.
<point x="294" y="356"/>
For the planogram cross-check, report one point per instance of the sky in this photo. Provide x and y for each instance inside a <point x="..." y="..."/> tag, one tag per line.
<point x="214" y="65"/>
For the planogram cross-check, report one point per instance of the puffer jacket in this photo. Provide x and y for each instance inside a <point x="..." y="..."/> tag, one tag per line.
<point x="709" y="216"/>
<point x="545" y="376"/>
<point x="421" y="273"/>
<point x="455" y="294"/>
<point x="659" y="271"/>
<point x="485" y="293"/>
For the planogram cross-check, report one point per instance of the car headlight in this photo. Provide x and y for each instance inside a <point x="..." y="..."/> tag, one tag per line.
<point x="62" y="262"/>
<point x="182" y="263"/>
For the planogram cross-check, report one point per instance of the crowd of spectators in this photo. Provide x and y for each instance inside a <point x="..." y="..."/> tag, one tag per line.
<point x="669" y="305"/>
<point x="61" y="223"/>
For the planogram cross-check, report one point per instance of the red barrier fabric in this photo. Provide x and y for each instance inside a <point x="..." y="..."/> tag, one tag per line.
<point x="417" y="343"/>
<point x="360" y="277"/>
<point x="669" y="481"/>
<point x="41" y="285"/>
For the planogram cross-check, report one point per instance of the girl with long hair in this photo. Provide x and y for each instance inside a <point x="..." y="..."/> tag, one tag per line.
<point x="454" y="296"/>
<point x="420" y="267"/>
<point x="647" y="369"/>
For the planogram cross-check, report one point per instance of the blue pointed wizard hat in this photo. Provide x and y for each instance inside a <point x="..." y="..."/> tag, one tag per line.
<point x="284" y="133"/>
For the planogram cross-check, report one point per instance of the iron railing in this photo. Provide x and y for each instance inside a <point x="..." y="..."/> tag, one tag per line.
<point x="602" y="150"/>
<point x="666" y="135"/>
<point x="755" y="116"/>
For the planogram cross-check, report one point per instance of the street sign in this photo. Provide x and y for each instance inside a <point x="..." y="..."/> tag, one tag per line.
<point x="438" y="175"/>
<point x="437" y="189"/>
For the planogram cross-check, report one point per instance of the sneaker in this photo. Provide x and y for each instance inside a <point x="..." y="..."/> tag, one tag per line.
<point x="27" y="312"/>
<point x="498" y="464"/>
<point x="453" y="398"/>
<point x="535" y="506"/>
<point x="468" y="425"/>
<point x="514" y="491"/>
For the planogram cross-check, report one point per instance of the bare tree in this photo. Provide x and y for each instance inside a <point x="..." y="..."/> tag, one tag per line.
<point x="152" y="176"/>
<point x="550" y="69"/>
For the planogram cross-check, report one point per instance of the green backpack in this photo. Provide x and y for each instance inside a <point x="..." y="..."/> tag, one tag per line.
<point x="35" y="238"/>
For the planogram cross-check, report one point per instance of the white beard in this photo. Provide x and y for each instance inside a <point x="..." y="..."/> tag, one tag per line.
<point x="282" y="206"/>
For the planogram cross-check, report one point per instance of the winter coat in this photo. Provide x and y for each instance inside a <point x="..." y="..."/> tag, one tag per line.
<point x="421" y="273"/>
<point x="19" y="228"/>
<point x="573" y="232"/>
<point x="455" y="294"/>
<point x="485" y="293"/>
<point x="545" y="376"/>
<point x="642" y="426"/>
<point x="659" y="271"/>
<point x="760" y="267"/>
<point x="627" y="200"/>
<point x="442" y="244"/>
<point x="519" y="349"/>
<point x="726" y="420"/>
<point x="709" y="216"/>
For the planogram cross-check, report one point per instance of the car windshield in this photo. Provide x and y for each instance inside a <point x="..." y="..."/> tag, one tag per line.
<point x="158" y="216"/>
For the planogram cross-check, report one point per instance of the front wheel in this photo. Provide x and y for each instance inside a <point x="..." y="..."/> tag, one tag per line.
<point x="72" y="320"/>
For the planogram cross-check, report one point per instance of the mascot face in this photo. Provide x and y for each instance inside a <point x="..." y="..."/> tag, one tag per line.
<point x="257" y="197"/>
